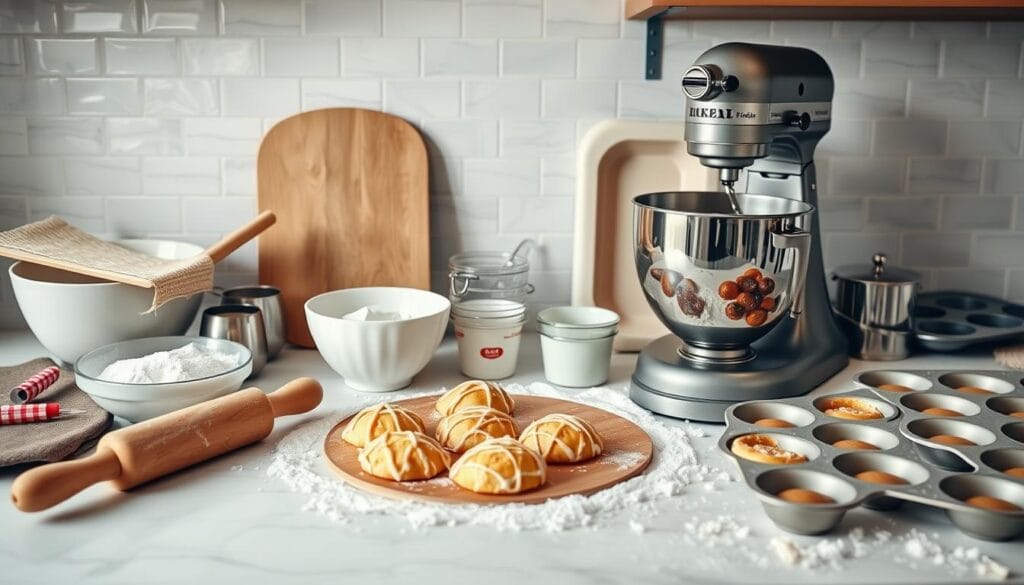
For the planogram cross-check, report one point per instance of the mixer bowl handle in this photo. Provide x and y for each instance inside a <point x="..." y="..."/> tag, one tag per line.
<point x="800" y="242"/>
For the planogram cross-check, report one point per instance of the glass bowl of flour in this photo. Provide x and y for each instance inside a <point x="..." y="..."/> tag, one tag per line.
<point x="144" y="378"/>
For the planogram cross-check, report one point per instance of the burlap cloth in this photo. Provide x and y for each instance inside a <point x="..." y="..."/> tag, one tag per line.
<point x="50" y="440"/>
<point x="53" y="240"/>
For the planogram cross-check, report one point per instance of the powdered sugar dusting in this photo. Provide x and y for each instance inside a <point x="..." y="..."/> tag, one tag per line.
<point x="298" y="463"/>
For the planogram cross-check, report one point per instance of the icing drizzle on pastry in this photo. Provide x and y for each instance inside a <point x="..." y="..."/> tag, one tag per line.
<point x="544" y="435"/>
<point x="484" y="423"/>
<point x="502" y="449"/>
<point x="483" y="393"/>
<point x="405" y="454"/>
<point x="371" y="422"/>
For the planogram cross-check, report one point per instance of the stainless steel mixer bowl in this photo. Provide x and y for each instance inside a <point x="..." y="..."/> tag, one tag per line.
<point x="690" y="245"/>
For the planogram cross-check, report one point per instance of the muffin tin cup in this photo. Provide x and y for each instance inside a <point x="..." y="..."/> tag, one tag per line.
<point x="936" y="474"/>
<point x="952" y="320"/>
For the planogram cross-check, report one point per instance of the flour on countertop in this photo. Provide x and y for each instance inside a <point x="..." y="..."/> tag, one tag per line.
<point x="189" y="362"/>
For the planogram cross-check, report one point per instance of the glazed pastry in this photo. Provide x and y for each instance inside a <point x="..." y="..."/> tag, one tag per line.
<point x="372" y="422"/>
<point x="974" y="390"/>
<point x="936" y="411"/>
<point x="475" y="393"/>
<point x="764" y="449"/>
<point x="1017" y="414"/>
<point x="773" y="423"/>
<point x="804" y="496"/>
<point x="894" y="388"/>
<point x="562" y="438"/>
<point x="951" y="440"/>
<point x="854" y="444"/>
<point x="881" y="477"/>
<point x="990" y="503"/>
<point x="404" y="456"/>
<point x="851" y="409"/>
<point x="499" y="466"/>
<point x="469" y="427"/>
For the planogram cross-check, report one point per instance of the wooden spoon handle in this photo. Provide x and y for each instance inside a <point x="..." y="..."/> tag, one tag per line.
<point x="239" y="237"/>
<point x="296" y="397"/>
<point x="48" y="485"/>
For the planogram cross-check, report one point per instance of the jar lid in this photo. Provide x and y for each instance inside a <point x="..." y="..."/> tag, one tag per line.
<point x="876" y="273"/>
<point x="487" y="264"/>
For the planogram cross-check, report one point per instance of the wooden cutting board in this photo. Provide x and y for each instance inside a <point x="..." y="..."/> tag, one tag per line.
<point x="349" y="188"/>
<point x="627" y="452"/>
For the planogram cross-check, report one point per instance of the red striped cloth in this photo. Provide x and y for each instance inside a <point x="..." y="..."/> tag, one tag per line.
<point x="35" y="385"/>
<point x="13" y="414"/>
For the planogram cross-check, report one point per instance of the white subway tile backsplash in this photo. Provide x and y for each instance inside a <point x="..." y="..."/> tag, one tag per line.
<point x="460" y="57"/>
<point x="235" y="57"/>
<point x="866" y="176"/>
<point x="886" y="58"/>
<point x="103" y="176"/>
<point x="937" y="30"/>
<point x="536" y="214"/>
<point x="13" y="135"/>
<point x="216" y="214"/>
<point x="39" y="16"/>
<point x="351" y="18"/>
<point x="998" y="250"/>
<point x="986" y="282"/>
<point x="800" y="30"/>
<point x="103" y="96"/>
<point x="140" y="56"/>
<point x="179" y="17"/>
<point x="537" y="137"/>
<point x="461" y="138"/>
<point x="865" y="99"/>
<point x="558" y="176"/>
<point x="553" y="253"/>
<point x="841" y="213"/>
<point x="98" y="16"/>
<point x="980" y="58"/>
<point x="644" y="99"/>
<point x="225" y="136"/>
<point x="501" y="177"/>
<point x="445" y="175"/>
<point x="65" y="135"/>
<point x="290" y="57"/>
<point x="422" y="18"/>
<point x="941" y="99"/>
<point x="1004" y="176"/>
<point x="260" y="17"/>
<point x="963" y="213"/>
<point x="582" y="18"/>
<point x="580" y="99"/>
<point x="502" y="18"/>
<point x="944" y="175"/>
<point x="450" y="217"/>
<point x="417" y="99"/>
<point x="912" y="137"/>
<point x="380" y="57"/>
<point x="85" y="213"/>
<point x="912" y="213"/>
<point x="846" y="138"/>
<point x="1016" y="286"/>
<point x="13" y="212"/>
<point x="843" y="57"/>
<point x="721" y="30"/>
<point x="12" y="61"/>
<point x="984" y="138"/>
<point x="25" y="95"/>
<point x="336" y="93"/>
<point x="181" y="97"/>
<point x="145" y="136"/>
<point x="61" y="56"/>
<point x="1006" y="99"/>
<point x="873" y="30"/>
<point x="260" y="97"/>
<point x="936" y="250"/>
<point x="516" y="98"/>
<point x="130" y="216"/>
<point x="31" y="176"/>
<point x="181" y="176"/>
<point x="610" y="59"/>
<point x="239" y="175"/>
<point x="541" y="58"/>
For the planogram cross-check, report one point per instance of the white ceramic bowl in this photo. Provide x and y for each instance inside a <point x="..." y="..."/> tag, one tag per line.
<point x="72" y="314"/>
<point x="137" y="402"/>
<point x="578" y="322"/>
<point x="377" y="356"/>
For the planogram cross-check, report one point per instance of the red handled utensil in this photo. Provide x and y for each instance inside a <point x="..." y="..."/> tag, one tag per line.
<point x="16" y="414"/>
<point x="35" y="385"/>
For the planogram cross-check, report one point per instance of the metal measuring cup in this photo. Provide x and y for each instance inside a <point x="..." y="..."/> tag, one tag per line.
<point x="239" y="323"/>
<point x="268" y="299"/>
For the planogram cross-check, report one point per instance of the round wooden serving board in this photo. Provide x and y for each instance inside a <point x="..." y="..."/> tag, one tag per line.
<point x="627" y="452"/>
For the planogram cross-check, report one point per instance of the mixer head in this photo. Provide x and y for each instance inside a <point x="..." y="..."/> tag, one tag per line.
<point x="745" y="101"/>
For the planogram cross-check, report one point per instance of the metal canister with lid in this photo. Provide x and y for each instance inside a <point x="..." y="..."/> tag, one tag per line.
<point x="874" y="305"/>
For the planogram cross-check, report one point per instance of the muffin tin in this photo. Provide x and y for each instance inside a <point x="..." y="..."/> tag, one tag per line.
<point x="937" y="474"/>
<point x="953" y="320"/>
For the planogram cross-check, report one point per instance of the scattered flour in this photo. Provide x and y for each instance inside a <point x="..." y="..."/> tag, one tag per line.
<point x="924" y="549"/>
<point x="189" y="362"/>
<point x="374" y="313"/>
<point x="297" y="462"/>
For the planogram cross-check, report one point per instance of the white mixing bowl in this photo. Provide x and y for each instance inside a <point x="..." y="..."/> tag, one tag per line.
<point x="72" y="314"/>
<point x="378" y="356"/>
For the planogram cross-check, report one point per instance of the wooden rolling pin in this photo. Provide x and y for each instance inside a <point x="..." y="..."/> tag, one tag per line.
<point x="153" y="448"/>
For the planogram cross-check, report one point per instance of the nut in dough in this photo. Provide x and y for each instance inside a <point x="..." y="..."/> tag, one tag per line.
<point x="469" y="427"/>
<point x="764" y="449"/>
<point x="499" y="466"/>
<point x="848" y="408"/>
<point x="404" y="456"/>
<point x="372" y="422"/>
<point x="562" y="438"/>
<point x="475" y="393"/>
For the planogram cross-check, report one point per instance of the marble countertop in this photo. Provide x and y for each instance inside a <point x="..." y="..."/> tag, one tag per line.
<point x="226" y="521"/>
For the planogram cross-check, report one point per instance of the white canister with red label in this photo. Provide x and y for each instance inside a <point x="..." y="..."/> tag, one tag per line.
<point x="488" y="333"/>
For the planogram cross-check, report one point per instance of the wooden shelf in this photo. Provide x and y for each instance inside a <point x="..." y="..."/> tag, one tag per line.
<point x="829" y="10"/>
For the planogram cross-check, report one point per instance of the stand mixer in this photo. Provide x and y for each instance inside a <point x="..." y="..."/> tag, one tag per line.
<point x="739" y="279"/>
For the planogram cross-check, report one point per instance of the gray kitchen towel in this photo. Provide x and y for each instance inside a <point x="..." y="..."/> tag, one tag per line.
<point x="50" y="440"/>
